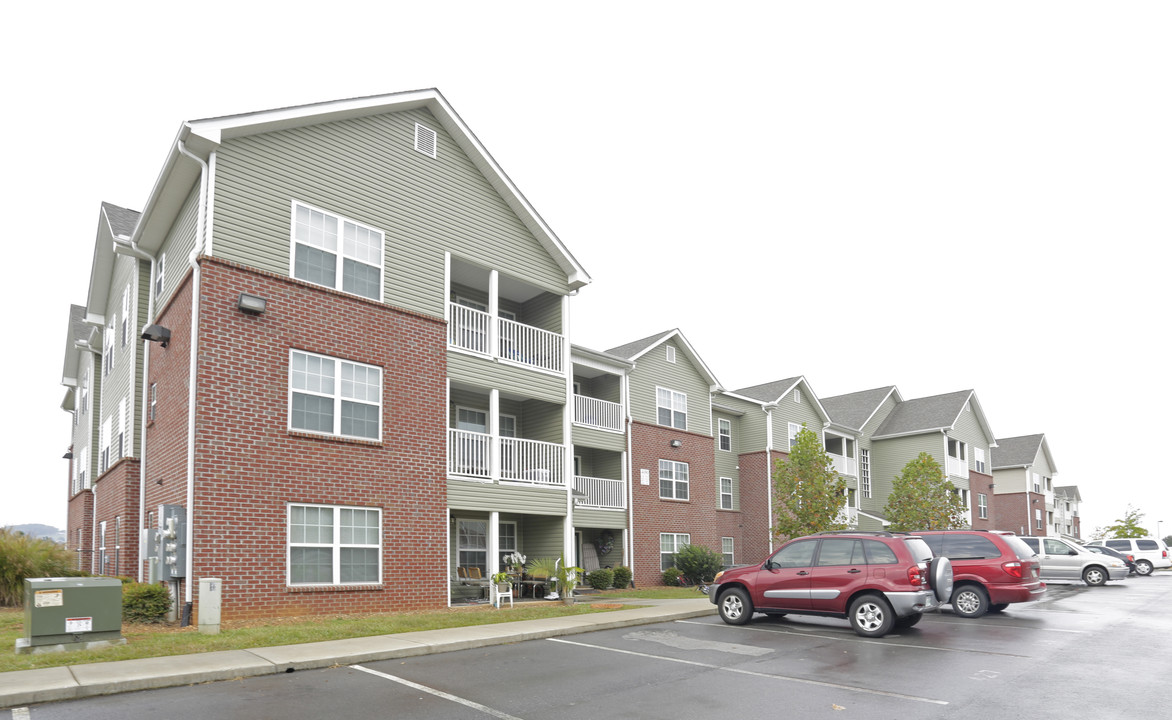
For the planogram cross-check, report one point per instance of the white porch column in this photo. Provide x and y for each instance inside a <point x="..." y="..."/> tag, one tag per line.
<point x="494" y="543"/>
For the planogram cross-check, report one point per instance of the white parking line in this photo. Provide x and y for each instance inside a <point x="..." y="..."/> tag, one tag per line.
<point x="739" y="671"/>
<point x="884" y="643"/>
<point x="20" y="713"/>
<point x="439" y="693"/>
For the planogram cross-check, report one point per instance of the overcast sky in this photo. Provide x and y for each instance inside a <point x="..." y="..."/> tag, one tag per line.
<point x="939" y="196"/>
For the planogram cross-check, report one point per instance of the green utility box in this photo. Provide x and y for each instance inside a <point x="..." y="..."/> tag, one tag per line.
<point x="71" y="612"/>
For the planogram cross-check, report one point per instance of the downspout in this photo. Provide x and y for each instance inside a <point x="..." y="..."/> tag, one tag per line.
<point x="768" y="408"/>
<point x="193" y="364"/>
<point x="629" y="544"/>
<point x="130" y="248"/>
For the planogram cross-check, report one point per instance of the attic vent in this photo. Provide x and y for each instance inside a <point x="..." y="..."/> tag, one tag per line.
<point x="425" y="140"/>
<point x="671" y="354"/>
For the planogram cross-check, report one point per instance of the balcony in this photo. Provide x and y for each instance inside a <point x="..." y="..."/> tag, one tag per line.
<point x="844" y="465"/>
<point x="522" y="461"/>
<point x="601" y="493"/>
<point x="957" y="467"/>
<point x="599" y="414"/>
<point x="848" y="516"/>
<point x="473" y="330"/>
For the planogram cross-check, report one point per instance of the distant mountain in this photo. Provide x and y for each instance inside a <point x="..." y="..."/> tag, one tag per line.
<point x="40" y="531"/>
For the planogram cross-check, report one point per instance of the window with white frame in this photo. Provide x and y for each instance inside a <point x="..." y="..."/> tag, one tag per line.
<point x="726" y="494"/>
<point x="159" y="275"/>
<point x="335" y="252"/>
<point x="794" y="429"/>
<point x="472" y="544"/>
<point x="673" y="480"/>
<point x="334" y="545"/>
<point x="671" y="354"/>
<point x="671" y="408"/>
<point x="104" y="445"/>
<point x="982" y="506"/>
<point x="154" y="395"/>
<point x="1037" y="482"/>
<point x="102" y="548"/>
<point x="865" y="472"/>
<point x="1038" y="519"/>
<point x="725" y="430"/>
<point x="726" y="551"/>
<point x="979" y="459"/>
<point x="108" y="349"/>
<point x="334" y="397"/>
<point x="669" y="545"/>
<point x="507" y="537"/>
<point x="125" y="315"/>
<point x="798" y="396"/>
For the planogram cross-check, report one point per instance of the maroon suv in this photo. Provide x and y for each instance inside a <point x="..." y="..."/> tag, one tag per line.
<point x="990" y="569"/>
<point x="877" y="580"/>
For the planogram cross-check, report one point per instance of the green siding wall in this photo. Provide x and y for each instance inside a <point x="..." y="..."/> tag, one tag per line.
<point x="653" y="370"/>
<point x="478" y="496"/>
<point x="508" y="379"/>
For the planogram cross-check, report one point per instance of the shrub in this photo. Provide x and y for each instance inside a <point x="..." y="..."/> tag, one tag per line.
<point x="698" y="563"/>
<point x="622" y="577"/>
<point x="144" y="602"/>
<point x="671" y="576"/>
<point x="600" y="579"/>
<point x="22" y="556"/>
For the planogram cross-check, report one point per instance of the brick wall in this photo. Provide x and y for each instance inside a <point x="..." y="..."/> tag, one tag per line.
<point x="979" y="483"/>
<point x="79" y="524"/>
<point x="249" y="466"/>
<point x="1011" y="512"/>
<point x="115" y="501"/>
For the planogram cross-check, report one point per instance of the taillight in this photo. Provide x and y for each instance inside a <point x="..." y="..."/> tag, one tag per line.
<point x="915" y="576"/>
<point x="1164" y="554"/>
<point x="1013" y="569"/>
<point x="1131" y="558"/>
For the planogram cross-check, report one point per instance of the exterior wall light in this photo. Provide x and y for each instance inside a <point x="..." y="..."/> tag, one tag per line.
<point x="157" y="333"/>
<point x="251" y="304"/>
<point x="677" y="443"/>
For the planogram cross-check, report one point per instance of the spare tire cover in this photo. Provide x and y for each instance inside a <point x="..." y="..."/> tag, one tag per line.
<point x="940" y="578"/>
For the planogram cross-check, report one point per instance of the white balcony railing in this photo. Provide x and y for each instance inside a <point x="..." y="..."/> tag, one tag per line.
<point x="844" y="465"/>
<point x="600" y="414"/>
<point x="468" y="453"/>
<point x="848" y="516"/>
<point x="956" y="467"/>
<point x="601" y="493"/>
<point x="532" y="461"/>
<point x="524" y="344"/>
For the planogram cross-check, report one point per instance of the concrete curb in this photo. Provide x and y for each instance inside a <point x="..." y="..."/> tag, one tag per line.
<point x="25" y="687"/>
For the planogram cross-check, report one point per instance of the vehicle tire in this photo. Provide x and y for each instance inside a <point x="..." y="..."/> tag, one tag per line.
<point x="1094" y="576"/>
<point x="734" y="606"/>
<point x="998" y="607"/>
<point x="1143" y="567"/>
<point x="871" y="616"/>
<point x="909" y="621"/>
<point x="970" y="601"/>
<point x="940" y="578"/>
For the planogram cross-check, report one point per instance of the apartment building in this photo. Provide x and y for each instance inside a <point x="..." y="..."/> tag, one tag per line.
<point x="1023" y="471"/>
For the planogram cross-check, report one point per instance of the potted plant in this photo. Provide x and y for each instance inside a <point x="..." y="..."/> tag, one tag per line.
<point x="515" y="562"/>
<point x="501" y="584"/>
<point x="567" y="577"/>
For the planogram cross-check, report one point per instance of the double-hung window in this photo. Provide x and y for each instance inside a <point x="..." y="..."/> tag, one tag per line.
<point x="334" y="545"/>
<point x="794" y="429"/>
<point x="979" y="459"/>
<point x="726" y="494"/>
<point x="673" y="480"/>
<point x="671" y="408"/>
<point x="982" y="506"/>
<point x="334" y="397"/>
<point x="726" y="551"/>
<point x="126" y="328"/>
<point x="335" y="252"/>
<point x="725" y="430"/>
<point x="669" y="545"/>
<point x="472" y="544"/>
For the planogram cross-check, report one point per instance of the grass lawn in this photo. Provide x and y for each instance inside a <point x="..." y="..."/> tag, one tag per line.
<point x="156" y="640"/>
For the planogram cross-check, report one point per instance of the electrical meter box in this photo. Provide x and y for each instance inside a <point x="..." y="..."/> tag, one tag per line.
<point x="65" y="611"/>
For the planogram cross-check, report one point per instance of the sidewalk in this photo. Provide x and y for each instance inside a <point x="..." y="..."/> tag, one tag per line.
<point x="24" y="687"/>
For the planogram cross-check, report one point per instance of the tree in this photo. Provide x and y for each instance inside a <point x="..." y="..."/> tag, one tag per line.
<point x="922" y="498"/>
<point x="1127" y="526"/>
<point x="808" y="494"/>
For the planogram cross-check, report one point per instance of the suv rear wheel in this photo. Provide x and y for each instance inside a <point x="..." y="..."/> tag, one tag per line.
<point x="970" y="601"/>
<point x="735" y="606"/>
<point x="1143" y="567"/>
<point x="871" y="616"/>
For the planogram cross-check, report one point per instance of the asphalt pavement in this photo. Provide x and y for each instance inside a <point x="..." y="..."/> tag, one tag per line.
<point x="25" y="687"/>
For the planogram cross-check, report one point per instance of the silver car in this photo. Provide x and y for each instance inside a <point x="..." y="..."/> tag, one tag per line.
<point x="1061" y="560"/>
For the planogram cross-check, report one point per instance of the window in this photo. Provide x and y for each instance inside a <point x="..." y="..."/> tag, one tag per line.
<point x="108" y="349"/>
<point x="671" y="354"/>
<point x="1037" y="482"/>
<point x="159" y="275"/>
<point x="669" y="545"/>
<point x="956" y="449"/>
<point x="726" y="497"/>
<point x="334" y="545"/>
<point x="1038" y="519"/>
<point x="154" y="395"/>
<point x="334" y="397"/>
<point x="472" y="544"/>
<point x="794" y="429"/>
<point x="507" y="537"/>
<point x="979" y="459"/>
<point x="841" y="551"/>
<point x="982" y="506"/>
<point x="725" y="430"/>
<point x="125" y="315"/>
<point x="962" y="546"/>
<point x="672" y="408"/>
<point x="865" y="471"/>
<point x="726" y="551"/>
<point x="797" y="396"/>
<point x="102" y="548"/>
<point x="795" y="555"/>
<point x="104" y="446"/>
<point x="673" y="480"/>
<point x="332" y="251"/>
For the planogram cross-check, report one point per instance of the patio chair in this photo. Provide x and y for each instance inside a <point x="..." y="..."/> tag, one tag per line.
<point x="503" y="590"/>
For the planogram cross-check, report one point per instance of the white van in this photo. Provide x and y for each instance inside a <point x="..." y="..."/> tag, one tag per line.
<point x="1149" y="553"/>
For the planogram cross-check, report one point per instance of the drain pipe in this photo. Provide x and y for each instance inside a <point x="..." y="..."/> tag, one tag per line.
<point x="193" y="364"/>
<point x="124" y="246"/>
<point x="769" y="408"/>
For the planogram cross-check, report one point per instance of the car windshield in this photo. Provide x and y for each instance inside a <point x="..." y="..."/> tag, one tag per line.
<point x="1023" y="551"/>
<point x="919" y="549"/>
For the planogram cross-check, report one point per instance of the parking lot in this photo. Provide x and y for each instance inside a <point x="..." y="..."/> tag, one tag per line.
<point x="1081" y="652"/>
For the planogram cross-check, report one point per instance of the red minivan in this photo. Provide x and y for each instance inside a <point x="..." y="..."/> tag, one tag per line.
<point x="990" y="569"/>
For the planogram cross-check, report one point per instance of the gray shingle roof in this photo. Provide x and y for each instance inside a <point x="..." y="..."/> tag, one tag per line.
<point x="768" y="392"/>
<point x="1016" y="451"/>
<point x="1069" y="492"/>
<point x="122" y="221"/>
<point x="924" y="414"/>
<point x="854" y="409"/>
<point x="632" y="349"/>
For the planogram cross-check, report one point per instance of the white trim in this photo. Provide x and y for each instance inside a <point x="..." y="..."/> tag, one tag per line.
<point x="338" y="251"/>
<point x="675" y="480"/>
<point x="336" y="396"/>
<point x="431" y="138"/>
<point x="671" y="407"/>
<point x="720" y="494"/>
<point x="335" y="544"/>
<point x="721" y="423"/>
